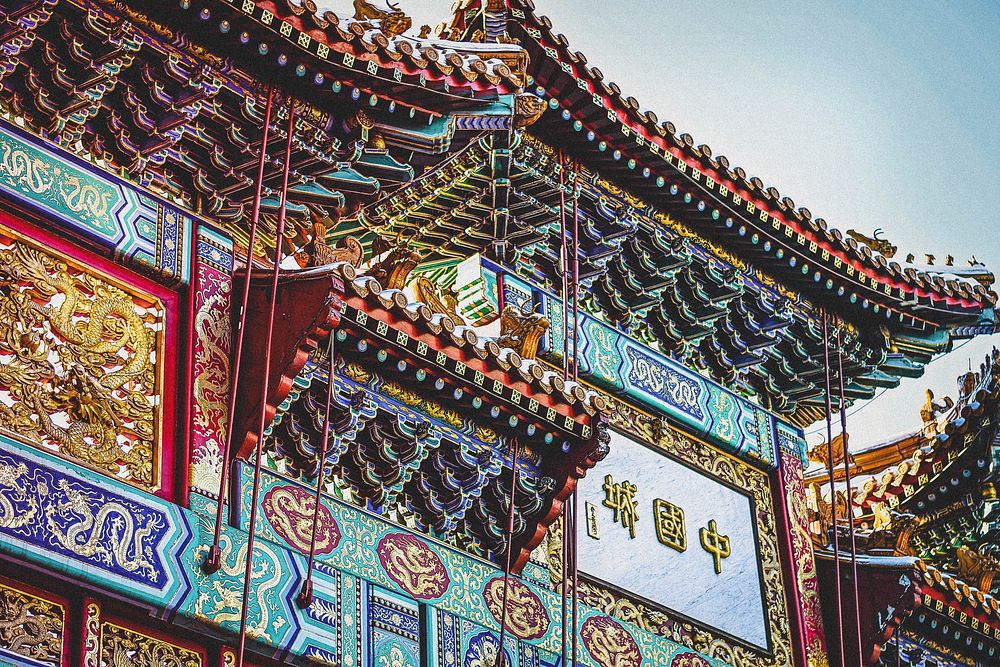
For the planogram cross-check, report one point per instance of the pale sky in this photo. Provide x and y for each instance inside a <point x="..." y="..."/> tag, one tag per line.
<point x="869" y="114"/>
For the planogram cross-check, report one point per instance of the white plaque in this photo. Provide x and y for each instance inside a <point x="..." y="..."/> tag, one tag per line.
<point x="709" y="572"/>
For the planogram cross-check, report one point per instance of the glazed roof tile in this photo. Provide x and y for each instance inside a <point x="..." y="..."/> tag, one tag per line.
<point x="465" y="62"/>
<point x="453" y="334"/>
<point x="969" y="599"/>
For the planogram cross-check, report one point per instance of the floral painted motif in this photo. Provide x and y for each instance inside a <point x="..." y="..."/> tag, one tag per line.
<point x="526" y="615"/>
<point x="609" y="643"/>
<point x="394" y="654"/>
<point x="689" y="659"/>
<point x="484" y="649"/>
<point x="289" y="510"/>
<point x="413" y="566"/>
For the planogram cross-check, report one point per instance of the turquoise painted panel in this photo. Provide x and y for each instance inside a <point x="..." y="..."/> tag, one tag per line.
<point x="623" y="366"/>
<point x="142" y="548"/>
<point x="626" y="367"/>
<point x="137" y="229"/>
<point x="418" y="568"/>
<point x="791" y="440"/>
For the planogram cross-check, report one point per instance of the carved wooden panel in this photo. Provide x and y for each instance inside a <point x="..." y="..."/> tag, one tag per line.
<point x="81" y="359"/>
<point x="122" y="646"/>
<point x="32" y="628"/>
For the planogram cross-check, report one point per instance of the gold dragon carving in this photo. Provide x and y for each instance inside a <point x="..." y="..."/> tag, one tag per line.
<point x="31" y="626"/>
<point x="87" y="536"/>
<point x="121" y="646"/>
<point x="79" y="353"/>
<point x="392" y="23"/>
<point x="521" y="329"/>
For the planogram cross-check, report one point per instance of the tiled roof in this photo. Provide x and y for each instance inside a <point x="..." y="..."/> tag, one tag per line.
<point x="909" y="475"/>
<point x="814" y="235"/>
<point x="464" y="338"/>
<point x="474" y="65"/>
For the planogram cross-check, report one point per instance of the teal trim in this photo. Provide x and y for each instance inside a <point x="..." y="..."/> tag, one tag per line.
<point x="137" y="229"/>
<point x="155" y="562"/>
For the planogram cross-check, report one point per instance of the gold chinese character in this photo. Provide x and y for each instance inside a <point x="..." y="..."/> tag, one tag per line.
<point x="670" y="528"/>
<point x="715" y="544"/>
<point x="621" y="498"/>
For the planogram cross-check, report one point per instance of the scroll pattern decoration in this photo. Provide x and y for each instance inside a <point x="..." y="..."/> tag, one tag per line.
<point x="78" y="362"/>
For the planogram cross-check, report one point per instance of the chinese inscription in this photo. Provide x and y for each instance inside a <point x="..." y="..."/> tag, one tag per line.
<point x="669" y="522"/>
<point x="621" y="499"/>
<point x="715" y="544"/>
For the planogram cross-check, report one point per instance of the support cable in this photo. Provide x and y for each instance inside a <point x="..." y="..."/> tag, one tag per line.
<point x="515" y="450"/>
<point x="576" y="577"/>
<point x="258" y="447"/>
<point x="575" y="373"/>
<point x="213" y="561"/>
<point x="850" y="496"/>
<point x="306" y="593"/>
<point x="833" y="484"/>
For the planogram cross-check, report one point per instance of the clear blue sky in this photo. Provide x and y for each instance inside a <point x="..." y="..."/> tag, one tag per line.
<point x="870" y="114"/>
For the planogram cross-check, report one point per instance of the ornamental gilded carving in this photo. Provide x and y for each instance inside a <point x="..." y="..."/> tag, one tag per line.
<point x="30" y="627"/>
<point x="413" y="566"/>
<point x="289" y="510"/>
<point x="121" y="646"/>
<point x="661" y="435"/>
<point x="526" y="615"/>
<point x="78" y="361"/>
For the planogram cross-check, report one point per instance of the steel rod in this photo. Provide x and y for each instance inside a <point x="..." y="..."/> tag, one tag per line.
<point x="306" y="593"/>
<point x="576" y="279"/>
<point x="565" y="583"/>
<point x="850" y="497"/>
<point x="213" y="561"/>
<point x="576" y="577"/>
<point x="515" y="449"/>
<point x="564" y="264"/>
<point x="833" y="486"/>
<point x="258" y="447"/>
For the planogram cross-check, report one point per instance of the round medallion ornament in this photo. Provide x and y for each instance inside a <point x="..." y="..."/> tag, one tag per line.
<point x="289" y="510"/>
<point x="689" y="659"/>
<point x="526" y="615"/>
<point x="609" y="643"/>
<point x="413" y="565"/>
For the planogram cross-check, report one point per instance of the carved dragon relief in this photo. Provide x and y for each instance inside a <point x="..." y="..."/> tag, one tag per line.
<point x="79" y="362"/>
<point x="932" y="411"/>
<point x="317" y="252"/>
<point x="391" y="23"/>
<point x="122" y="646"/>
<point x="392" y="261"/>
<point x="978" y="566"/>
<point x="439" y="301"/>
<point x="31" y="627"/>
<point x="875" y="242"/>
<point x="522" y="330"/>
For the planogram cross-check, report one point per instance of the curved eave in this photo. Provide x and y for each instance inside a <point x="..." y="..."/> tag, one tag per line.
<point x="459" y="67"/>
<point x="721" y="200"/>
